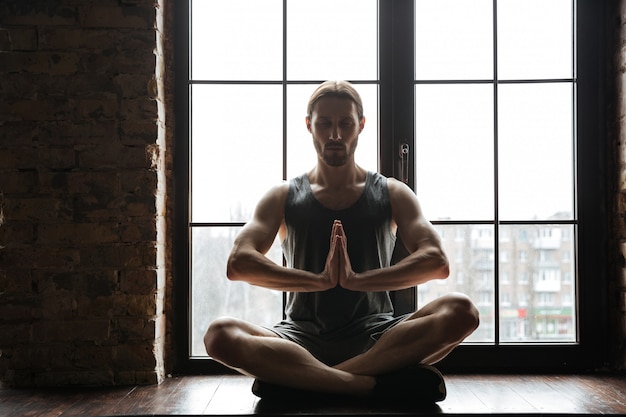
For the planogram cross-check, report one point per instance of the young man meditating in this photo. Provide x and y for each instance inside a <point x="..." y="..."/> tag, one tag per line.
<point x="338" y="225"/>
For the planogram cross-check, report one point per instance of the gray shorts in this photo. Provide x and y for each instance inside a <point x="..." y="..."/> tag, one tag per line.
<point x="342" y="344"/>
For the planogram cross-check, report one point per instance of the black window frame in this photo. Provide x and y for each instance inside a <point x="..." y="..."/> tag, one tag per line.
<point x="396" y="82"/>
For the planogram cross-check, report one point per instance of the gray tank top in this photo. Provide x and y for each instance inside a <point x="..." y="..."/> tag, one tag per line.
<point x="367" y="224"/>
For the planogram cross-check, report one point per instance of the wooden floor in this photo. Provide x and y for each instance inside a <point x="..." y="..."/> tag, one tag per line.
<point x="230" y="395"/>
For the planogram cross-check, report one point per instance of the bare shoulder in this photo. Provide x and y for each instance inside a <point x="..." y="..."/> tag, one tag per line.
<point x="394" y="186"/>
<point x="272" y="204"/>
<point x="260" y="231"/>
<point x="278" y="191"/>
<point x="413" y="227"/>
<point x="403" y="199"/>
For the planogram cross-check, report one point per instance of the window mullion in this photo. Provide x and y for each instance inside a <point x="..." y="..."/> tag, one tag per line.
<point x="496" y="223"/>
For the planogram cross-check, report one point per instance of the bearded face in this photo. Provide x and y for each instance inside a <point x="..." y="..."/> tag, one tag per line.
<point x="335" y="128"/>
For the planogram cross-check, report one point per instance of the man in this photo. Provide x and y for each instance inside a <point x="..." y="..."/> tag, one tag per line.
<point x="338" y="224"/>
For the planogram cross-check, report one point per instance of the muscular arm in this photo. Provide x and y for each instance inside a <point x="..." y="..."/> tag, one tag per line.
<point x="427" y="259"/>
<point x="247" y="261"/>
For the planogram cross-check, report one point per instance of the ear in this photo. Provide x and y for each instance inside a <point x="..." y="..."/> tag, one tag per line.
<point x="361" y="124"/>
<point x="308" y="123"/>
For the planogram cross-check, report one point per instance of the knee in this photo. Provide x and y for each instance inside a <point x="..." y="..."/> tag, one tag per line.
<point x="220" y="339"/>
<point x="463" y="314"/>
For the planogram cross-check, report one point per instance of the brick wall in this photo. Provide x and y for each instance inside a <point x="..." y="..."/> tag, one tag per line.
<point x="83" y="269"/>
<point x="617" y="133"/>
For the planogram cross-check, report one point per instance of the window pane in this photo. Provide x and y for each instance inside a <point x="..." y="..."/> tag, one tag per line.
<point x="470" y="250"/>
<point x="537" y="285"/>
<point x="301" y="156"/>
<point x="237" y="39"/>
<point x="332" y="40"/>
<point x="535" y="39"/>
<point x="454" y="151"/>
<point x="236" y="151"/>
<point x="453" y="39"/>
<point x="535" y="147"/>
<point x="213" y="295"/>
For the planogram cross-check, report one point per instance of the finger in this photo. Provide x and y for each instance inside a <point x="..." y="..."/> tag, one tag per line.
<point x="342" y="248"/>
<point x="334" y="252"/>
<point x="333" y="232"/>
<point x="336" y="226"/>
<point x="339" y="255"/>
<point x="332" y="245"/>
<point x="340" y="229"/>
<point x="345" y="264"/>
<point x="338" y="249"/>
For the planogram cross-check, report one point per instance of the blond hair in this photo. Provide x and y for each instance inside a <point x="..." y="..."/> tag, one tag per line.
<point x="342" y="89"/>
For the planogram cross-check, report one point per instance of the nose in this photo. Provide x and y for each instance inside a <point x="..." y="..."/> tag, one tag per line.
<point x="335" y="134"/>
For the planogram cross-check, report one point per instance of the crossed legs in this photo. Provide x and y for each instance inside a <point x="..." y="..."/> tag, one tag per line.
<point x="426" y="337"/>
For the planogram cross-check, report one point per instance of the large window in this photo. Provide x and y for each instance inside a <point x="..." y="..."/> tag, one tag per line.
<point x="495" y="159"/>
<point x="480" y="105"/>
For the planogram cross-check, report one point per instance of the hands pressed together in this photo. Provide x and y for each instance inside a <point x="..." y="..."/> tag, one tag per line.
<point x="338" y="270"/>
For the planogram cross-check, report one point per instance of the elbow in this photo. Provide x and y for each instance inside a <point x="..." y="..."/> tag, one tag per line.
<point x="231" y="271"/>
<point x="443" y="267"/>
<point x="444" y="271"/>
<point x="233" y="268"/>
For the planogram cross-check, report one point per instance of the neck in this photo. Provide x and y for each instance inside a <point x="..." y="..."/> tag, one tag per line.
<point x="346" y="175"/>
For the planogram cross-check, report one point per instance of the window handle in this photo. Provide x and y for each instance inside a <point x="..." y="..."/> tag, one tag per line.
<point x="404" y="163"/>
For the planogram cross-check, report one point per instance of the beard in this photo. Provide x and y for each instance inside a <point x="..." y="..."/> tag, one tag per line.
<point x="335" y="154"/>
